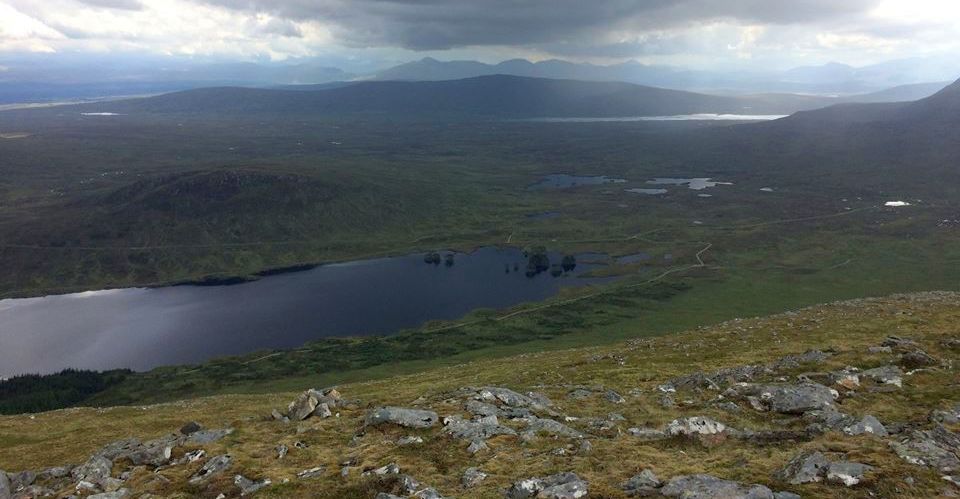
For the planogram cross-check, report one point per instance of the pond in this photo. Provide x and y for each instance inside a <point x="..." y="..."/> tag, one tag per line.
<point x="696" y="184"/>
<point x="563" y="181"/>
<point x="142" y="328"/>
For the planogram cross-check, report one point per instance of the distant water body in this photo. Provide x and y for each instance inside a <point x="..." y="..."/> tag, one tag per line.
<point x="142" y="328"/>
<point x="679" y="117"/>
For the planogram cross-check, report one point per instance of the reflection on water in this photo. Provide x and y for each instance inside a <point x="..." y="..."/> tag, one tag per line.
<point x="143" y="328"/>
<point x="697" y="184"/>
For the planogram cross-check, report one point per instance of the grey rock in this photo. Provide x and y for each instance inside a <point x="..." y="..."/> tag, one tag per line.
<point x="475" y="430"/>
<point x="580" y="394"/>
<point x="248" y="486"/>
<point x="868" y="424"/>
<point x="559" y="486"/>
<point x="215" y="466"/>
<point x="917" y="359"/>
<point x="311" y="473"/>
<point x="472" y="477"/>
<point x="797" y="399"/>
<point x="795" y="361"/>
<point x="55" y="472"/>
<point x="407" y="484"/>
<point x="205" y="437"/>
<point x="390" y="469"/>
<point x="614" y="397"/>
<point x="117" y="494"/>
<point x="728" y="406"/>
<point x="95" y="470"/>
<point x="21" y="480"/>
<point x="477" y="446"/>
<point x="410" y="440"/>
<point x="428" y="493"/>
<point x="709" y="487"/>
<point x="303" y="407"/>
<point x="951" y="416"/>
<point x="481" y="409"/>
<point x="513" y="399"/>
<point x="847" y="473"/>
<point x="937" y="448"/>
<point x="6" y="490"/>
<point x="807" y="467"/>
<point x="786" y="495"/>
<point x="323" y="411"/>
<point x="667" y="402"/>
<point x="585" y="447"/>
<point x="410" y="418"/>
<point x="282" y="451"/>
<point x="830" y="418"/>
<point x="645" y="484"/>
<point x="384" y="495"/>
<point x="692" y="426"/>
<point x="880" y="349"/>
<point x="897" y="341"/>
<point x="648" y="434"/>
<point x="888" y="375"/>
<point x="537" y="425"/>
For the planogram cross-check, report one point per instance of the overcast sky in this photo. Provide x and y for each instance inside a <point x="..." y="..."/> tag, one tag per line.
<point x="696" y="33"/>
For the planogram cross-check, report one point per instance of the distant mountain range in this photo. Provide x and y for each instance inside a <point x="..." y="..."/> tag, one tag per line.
<point x="497" y="96"/>
<point x="839" y="79"/>
<point x="29" y="79"/>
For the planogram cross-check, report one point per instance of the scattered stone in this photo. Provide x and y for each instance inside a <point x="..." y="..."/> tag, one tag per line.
<point x="868" y="424"/>
<point x="808" y="467"/>
<point x="580" y="394"/>
<point x="303" y="407"/>
<point x="390" y="469"/>
<point x="410" y="440"/>
<point x="880" y="350"/>
<point x="428" y="493"/>
<point x="888" y="375"/>
<point x="6" y="490"/>
<point x="95" y="470"/>
<point x="472" y="477"/>
<point x="282" y="451"/>
<point x="55" y="472"/>
<point x="797" y="399"/>
<point x="190" y="428"/>
<point x="585" y="447"/>
<point x="537" y="425"/>
<point x="614" y="397"/>
<point x="896" y="341"/>
<point x="311" y="473"/>
<point x="21" y="480"/>
<point x="559" y="486"/>
<point x="847" y="380"/>
<point x="300" y="444"/>
<point x="847" y="473"/>
<point x="477" y="446"/>
<point x="830" y="418"/>
<point x="409" y="418"/>
<point x="649" y="434"/>
<point x="481" y="409"/>
<point x="275" y="414"/>
<point x="709" y="487"/>
<point x="795" y="361"/>
<point x="728" y="406"/>
<point x="206" y="437"/>
<point x="215" y="466"/>
<point x="323" y="411"/>
<point x="248" y="486"/>
<point x="667" y="402"/>
<point x="645" y="484"/>
<point x="192" y="457"/>
<point x="917" y="359"/>
<point x="693" y="426"/>
<point x="483" y="429"/>
<point x="951" y="416"/>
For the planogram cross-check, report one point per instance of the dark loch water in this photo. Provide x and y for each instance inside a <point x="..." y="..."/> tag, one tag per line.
<point x="144" y="328"/>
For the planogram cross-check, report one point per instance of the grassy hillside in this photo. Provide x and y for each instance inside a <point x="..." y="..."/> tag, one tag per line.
<point x="577" y="382"/>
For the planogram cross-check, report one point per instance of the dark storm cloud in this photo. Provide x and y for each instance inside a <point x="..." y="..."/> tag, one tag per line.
<point x="442" y="24"/>
<point x="115" y="4"/>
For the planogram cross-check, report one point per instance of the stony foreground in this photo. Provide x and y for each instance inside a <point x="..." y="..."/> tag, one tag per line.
<point x="856" y="399"/>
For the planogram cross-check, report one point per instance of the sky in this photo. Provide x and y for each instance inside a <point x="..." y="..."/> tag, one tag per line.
<point x="690" y="33"/>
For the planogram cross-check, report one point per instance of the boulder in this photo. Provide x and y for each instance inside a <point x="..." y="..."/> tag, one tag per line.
<point x="205" y="437"/>
<point x="311" y="473"/>
<point x="323" y="411"/>
<point x="694" y="426"/>
<point x="614" y="397"/>
<point x="409" y="418"/>
<point x="215" y="466"/>
<point x="117" y="494"/>
<point x="808" y="467"/>
<point x="559" y="486"/>
<point x="191" y="427"/>
<point x="481" y="409"/>
<point x="248" y="486"/>
<point x="917" y="359"/>
<point x="847" y="473"/>
<point x="21" y="480"/>
<point x="95" y="470"/>
<point x="888" y="375"/>
<point x="472" y="477"/>
<point x="410" y="440"/>
<point x="829" y="418"/>
<point x="6" y="491"/>
<point x="709" y="487"/>
<point x="303" y="407"/>
<point x="868" y="424"/>
<point x="537" y="425"/>
<point x="428" y="493"/>
<point x="511" y="398"/>
<point x="477" y="446"/>
<point x="645" y="484"/>
<point x="937" y="448"/>
<point x="951" y="416"/>
<point x="648" y="434"/>
<point x="797" y="399"/>
<point x="475" y="430"/>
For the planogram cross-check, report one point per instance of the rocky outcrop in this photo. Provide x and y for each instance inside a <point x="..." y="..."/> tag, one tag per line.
<point x="644" y="484"/>
<point x="212" y="468"/>
<point x="408" y="418"/>
<point x="709" y="487"/>
<point x="319" y="403"/>
<point x="813" y="467"/>
<point x="937" y="448"/>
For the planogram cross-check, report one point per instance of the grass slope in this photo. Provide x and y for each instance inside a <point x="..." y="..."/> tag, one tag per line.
<point x="634" y="368"/>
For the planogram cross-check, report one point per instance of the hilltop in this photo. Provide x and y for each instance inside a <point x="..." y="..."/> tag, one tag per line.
<point x="851" y="399"/>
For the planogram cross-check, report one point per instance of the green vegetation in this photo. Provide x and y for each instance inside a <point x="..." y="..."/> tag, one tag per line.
<point x="33" y="393"/>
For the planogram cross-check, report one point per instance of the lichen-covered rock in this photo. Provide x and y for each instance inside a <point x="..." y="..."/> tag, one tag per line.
<point x="808" y="467"/>
<point x="475" y="430"/>
<point x="868" y="424"/>
<point x="537" y="425"/>
<point x="472" y="477"/>
<point x="644" y="484"/>
<point x="215" y="466"/>
<point x="559" y="486"/>
<point x="937" y="448"/>
<point x="95" y="470"/>
<point x="6" y="491"/>
<point x="614" y="397"/>
<point x="409" y="418"/>
<point x="797" y="399"/>
<point x="888" y="375"/>
<point x="314" y="472"/>
<point x="303" y="407"/>
<point x="205" y="437"/>
<point x="709" y="487"/>
<point x="917" y="359"/>
<point x="693" y="426"/>
<point x="847" y="473"/>
<point x="248" y="486"/>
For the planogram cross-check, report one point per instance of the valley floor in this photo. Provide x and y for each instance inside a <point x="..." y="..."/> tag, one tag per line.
<point x="866" y="382"/>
